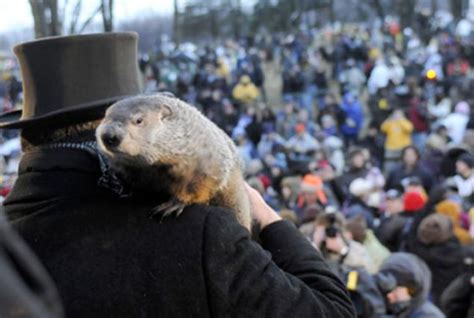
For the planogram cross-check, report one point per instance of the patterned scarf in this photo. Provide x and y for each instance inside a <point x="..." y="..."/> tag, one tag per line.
<point x="109" y="179"/>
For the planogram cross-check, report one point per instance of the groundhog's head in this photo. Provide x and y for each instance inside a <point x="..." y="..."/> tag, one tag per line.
<point x="134" y="128"/>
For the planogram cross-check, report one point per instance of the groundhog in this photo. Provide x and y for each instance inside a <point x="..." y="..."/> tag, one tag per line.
<point x="160" y="143"/>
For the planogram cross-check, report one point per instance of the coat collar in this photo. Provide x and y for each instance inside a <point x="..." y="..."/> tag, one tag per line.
<point x="48" y="174"/>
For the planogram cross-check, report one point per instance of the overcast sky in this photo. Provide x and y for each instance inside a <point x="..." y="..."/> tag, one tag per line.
<point x="16" y="14"/>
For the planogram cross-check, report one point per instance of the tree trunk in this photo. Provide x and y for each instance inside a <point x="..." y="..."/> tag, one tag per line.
<point x="456" y="9"/>
<point x="107" y="15"/>
<point x="37" y="10"/>
<point x="237" y="17"/>
<point x="379" y="9"/>
<point x="332" y="12"/>
<point x="405" y="10"/>
<point x="176" y="25"/>
<point x="55" y="23"/>
<point x="434" y="6"/>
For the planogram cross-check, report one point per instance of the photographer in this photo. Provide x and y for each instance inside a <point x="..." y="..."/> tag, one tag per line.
<point x="330" y="236"/>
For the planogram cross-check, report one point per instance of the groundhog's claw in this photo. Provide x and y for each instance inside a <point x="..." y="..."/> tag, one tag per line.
<point x="168" y="208"/>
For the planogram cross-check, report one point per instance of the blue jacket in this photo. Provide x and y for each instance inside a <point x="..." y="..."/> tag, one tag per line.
<point x="354" y="115"/>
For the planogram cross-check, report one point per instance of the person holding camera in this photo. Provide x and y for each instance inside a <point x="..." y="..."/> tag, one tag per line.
<point x="331" y="238"/>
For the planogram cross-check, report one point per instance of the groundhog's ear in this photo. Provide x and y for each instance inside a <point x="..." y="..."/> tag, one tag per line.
<point x="167" y="94"/>
<point x="166" y="111"/>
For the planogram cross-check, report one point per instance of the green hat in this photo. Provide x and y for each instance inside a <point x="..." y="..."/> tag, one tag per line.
<point x="74" y="78"/>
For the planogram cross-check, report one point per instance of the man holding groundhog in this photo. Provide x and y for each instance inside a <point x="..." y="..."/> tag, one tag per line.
<point x="95" y="237"/>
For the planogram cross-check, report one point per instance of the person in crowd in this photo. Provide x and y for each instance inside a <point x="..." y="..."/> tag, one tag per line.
<point x="74" y="221"/>
<point x="395" y="226"/>
<point x="374" y="142"/>
<point x="379" y="77"/>
<point x="356" y="169"/>
<point x="331" y="237"/>
<point x="287" y="119"/>
<point x="453" y="211"/>
<point x="464" y="179"/>
<point x="456" y="122"/>
<point x="359" y="232"/>
<point x="437" y="245"/>
<point x="356" y="204"/>
<point x="312" y="192"/>
<point x="352" y="78"/>
<point x="409" y="295"/>
<point x="294" y="83"/>
<point x="433" y="155"/>
<point x="440" y="107"/>
<point x="354" y="117"/>
<point x="398" y="130"/>
<point x="270" y="141"/>
<point x="418" y="116"/>
<point x="302" y="144"/>
<point x="335" y="149"/>
<point x="245" y="92"/>
<point x="457" y="300"/>
<point x="410" y="167"/>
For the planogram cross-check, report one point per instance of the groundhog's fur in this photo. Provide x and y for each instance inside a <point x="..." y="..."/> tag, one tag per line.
<point x="166" y="144"/>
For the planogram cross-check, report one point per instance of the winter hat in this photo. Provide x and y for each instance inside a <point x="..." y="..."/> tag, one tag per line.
<point x="435" y="229"/>
<point x="360" y="187"/>
<point x="314" y="184"/>
<point x="467" y="158"/>
<point x="452" y="210"/>
<point x="413" y="201"/>
<point x="462" y="108"/>
<point x="409" y="271"/>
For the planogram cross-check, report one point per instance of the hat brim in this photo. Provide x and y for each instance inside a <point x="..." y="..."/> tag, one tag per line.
<point x="77" y="113"/>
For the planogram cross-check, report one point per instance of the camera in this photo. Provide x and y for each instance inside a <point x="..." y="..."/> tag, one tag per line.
<point x="331" y="229"/>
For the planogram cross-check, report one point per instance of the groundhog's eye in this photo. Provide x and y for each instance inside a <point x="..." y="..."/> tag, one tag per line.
<point x="138" y="120"/>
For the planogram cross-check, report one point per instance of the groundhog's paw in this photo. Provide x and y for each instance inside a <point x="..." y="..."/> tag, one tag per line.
<point x="170" y="207"/>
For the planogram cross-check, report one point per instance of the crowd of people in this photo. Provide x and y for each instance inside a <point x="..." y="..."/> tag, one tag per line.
<point x="369" y="151"/>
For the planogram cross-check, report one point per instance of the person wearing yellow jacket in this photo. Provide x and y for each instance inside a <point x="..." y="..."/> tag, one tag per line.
<point x="397" y="129"/>
<point x="245" y="91"/>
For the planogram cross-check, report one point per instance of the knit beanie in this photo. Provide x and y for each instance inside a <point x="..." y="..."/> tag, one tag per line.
<point x="435" y="229"/>
<point x="413" y="201"/>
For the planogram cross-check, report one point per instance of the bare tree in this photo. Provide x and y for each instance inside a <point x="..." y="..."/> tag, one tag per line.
<point x="45" y="17"/>
<point x="107" y="9"/>
<point x="378" y="6"/>
<point x="49" y="18"/>
<point x="456" y="9"/>
<point x="176" y="24"/>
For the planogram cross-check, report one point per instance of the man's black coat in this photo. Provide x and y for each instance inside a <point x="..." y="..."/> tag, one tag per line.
<point x="109" y="259"/>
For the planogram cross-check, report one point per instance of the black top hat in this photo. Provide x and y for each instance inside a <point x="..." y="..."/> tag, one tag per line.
<point x="74" y="78"/>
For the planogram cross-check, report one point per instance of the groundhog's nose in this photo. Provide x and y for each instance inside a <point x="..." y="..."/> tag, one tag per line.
<point x="110" y="139"/>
